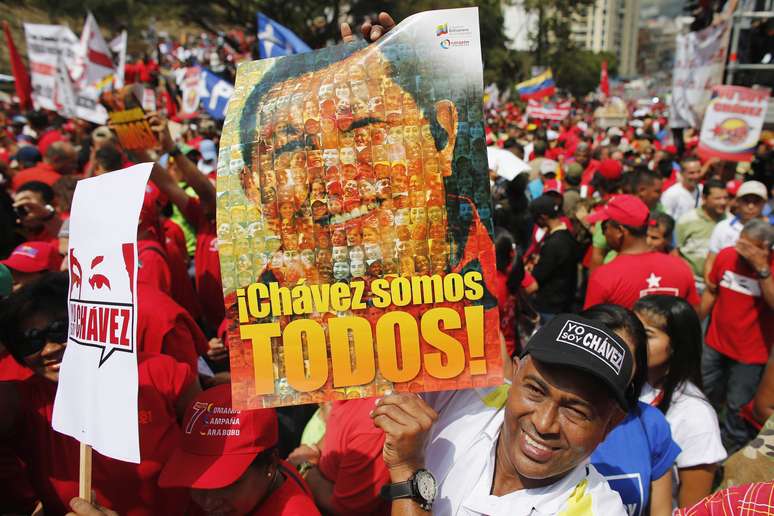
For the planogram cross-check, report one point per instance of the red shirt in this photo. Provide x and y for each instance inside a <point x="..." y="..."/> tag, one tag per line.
<point x="10" y="369"/>
<point x="163" y="326"/>
<point x="152" y="266"/>
<point x="742" y="324"/>
<point x="206" y="264"/>
<point x="42" y="172"/>
<point x="47" y="138"/>
<point x="352" y="458"/>
<point x="177" y="258"/>
<point x="293" y="498"/>
<point x="631" y="276"/>
<point x="130" y="489"/>
<point x="588" y="173"/>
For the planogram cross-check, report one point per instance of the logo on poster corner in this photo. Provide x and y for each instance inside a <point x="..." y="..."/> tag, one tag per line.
<point x="442" y="29"/>
<point x="732" y="131"/>
<point x="454" y="43"/>
<point x="100" y="301"/>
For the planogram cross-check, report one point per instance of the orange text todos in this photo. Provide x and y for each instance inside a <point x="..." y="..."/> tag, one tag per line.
<point x="356" y="346"/>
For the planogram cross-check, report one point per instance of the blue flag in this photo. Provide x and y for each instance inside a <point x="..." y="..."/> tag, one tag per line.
<point x="214" y="95"/>
<point x="275" y="40"/>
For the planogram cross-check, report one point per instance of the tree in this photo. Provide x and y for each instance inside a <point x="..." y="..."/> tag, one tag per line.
<point x="577" y="70"/>
<point x="554" y="24"/>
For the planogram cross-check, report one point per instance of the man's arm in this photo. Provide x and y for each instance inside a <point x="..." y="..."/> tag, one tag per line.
<point x="406" y="419"/>
<point x="708" y="298"/>
<point x="661" y="495"/>
<point x="695" y="483"/>
<point x="322" y="490"/>
<point x="198" y="181"/>
<point x="708" y="263"/>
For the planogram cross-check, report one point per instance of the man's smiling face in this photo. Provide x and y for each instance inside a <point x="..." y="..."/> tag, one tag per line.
<point x="355" y="163"/>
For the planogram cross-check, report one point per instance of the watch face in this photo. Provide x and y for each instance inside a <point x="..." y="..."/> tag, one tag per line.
<point x="425" y="483"/>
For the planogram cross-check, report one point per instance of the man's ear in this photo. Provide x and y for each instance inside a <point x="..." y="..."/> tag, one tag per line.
<point x="446" y="116"/>
<point x="515" y="364"/>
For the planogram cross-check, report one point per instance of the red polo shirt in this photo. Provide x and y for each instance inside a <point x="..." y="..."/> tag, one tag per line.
<point x="352" y="458"/>
<point x="163" y="326"/>
<point x="42" y="172"/>
<point x="152" y="266"/>
<point x="177" y="258"/>
<point x="631" y="276"/>
<point x="293" y="498"/>
<point x="742" y="324"/>
<point x="130" y="489"/>
<point x="206" y="264"/>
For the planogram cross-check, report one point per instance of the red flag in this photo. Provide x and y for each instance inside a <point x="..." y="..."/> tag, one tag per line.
<point x="20" y="75"/>
<point x="604" y="82"/>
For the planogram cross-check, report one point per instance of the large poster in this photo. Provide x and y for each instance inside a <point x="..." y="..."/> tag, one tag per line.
<point x="354" y="219"/>
<point x="700" y="58"/>
<point x="733" y="122"/>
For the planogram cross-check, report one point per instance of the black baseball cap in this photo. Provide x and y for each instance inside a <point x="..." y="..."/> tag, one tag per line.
<point x="592" y="347"/>
<point x="545" y="205"/>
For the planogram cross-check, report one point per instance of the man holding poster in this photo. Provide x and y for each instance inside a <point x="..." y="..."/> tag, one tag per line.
<point x="353" y="205"/>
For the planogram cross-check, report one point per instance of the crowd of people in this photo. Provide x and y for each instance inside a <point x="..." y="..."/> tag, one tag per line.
<point x="658" y="257"/>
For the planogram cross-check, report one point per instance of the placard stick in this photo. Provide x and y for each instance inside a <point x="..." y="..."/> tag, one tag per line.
<point x="84" y="477"/>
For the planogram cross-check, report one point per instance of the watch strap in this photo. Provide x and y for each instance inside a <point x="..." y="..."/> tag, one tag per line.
<point x="397" y="491"/>
<point x="764" y="273"/>
<point x="175" y="151"/>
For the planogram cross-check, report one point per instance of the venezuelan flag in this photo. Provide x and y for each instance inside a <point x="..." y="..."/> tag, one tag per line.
<point x="538" y="87"/>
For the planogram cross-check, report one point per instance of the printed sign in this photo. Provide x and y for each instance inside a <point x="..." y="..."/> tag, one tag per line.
<point x="96" y="398"/>
<point x="700" y="58"/>
<point x="354" y="219"/>
<point x="733" y="121"/>
<point x="127" y="117"/>
<point x="54" y="55"/>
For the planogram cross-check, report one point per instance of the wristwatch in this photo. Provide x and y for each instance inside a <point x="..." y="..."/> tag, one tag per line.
<point x="764" y="273"/>
<point x="421" y="488"/>
<point x="175" y="151"/>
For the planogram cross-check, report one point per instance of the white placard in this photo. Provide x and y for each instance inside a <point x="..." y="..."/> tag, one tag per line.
<point x="96" y="399"/>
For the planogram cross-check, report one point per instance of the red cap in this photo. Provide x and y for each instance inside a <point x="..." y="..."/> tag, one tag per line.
<point x="733" y="186"/>
<point x="553" y="185"/>
<point x="671" y="149"/>
<point x="610" y="169"/>
<point x="623" y="209"/>
<point x="34" y="257"/>
<point x="219" y="442"/>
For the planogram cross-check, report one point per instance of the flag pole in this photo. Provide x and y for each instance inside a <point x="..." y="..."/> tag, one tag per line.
<point x="84" y="475"/>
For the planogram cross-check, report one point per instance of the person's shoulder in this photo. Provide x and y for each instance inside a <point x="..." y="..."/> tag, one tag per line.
<point x="726" y="255"/>
<point x="153" y="363"/>
<point x="604" y="499"/>
<point x="688" y="400"/>
<point x="688" y="217"/>
<point x="672" y="190"/>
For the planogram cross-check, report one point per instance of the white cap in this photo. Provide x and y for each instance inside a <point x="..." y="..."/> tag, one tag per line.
<point x="614" y="131"/>
<point x="551" y="135"/>
<point x="548" y="166"/>
<point x="753" y="188"/>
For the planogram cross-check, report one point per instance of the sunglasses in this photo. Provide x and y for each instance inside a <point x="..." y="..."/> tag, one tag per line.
<point x="35" y="339"/>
